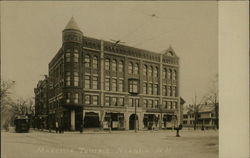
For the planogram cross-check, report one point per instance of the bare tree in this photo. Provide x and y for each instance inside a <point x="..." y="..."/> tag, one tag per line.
<point x="195" y="109"/>
<point x="5" y="94"/>
<point x="213" y="99"/>
<point x="23" y="106"/>
<point x="6" y="101"/>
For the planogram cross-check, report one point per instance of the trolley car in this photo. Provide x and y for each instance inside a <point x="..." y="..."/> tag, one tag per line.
<point x="22" y="123"/>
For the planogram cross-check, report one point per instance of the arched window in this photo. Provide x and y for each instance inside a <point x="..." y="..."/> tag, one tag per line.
<point x="145" y="69"/>
<point x="164" y="73"/>
<point x="87" y="61"/>
<point x="95" y="62"/>
<point x="114" y="65"/>
<point x="120" y="66"/>
<point x="130" y="67"/>
<point x="136" y="69"/>
<point x="107" y="64"/>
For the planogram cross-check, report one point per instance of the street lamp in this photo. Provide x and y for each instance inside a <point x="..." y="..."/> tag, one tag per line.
<point x="160" y="108"/>
<point x="133" y="89"/>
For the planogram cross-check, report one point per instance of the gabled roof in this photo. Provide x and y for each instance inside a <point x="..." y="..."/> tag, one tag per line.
<point x="72" y="25"/>
<point x="169" y="52"/>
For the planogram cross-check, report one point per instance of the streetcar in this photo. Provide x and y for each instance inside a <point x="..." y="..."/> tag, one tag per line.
<point x="22" y="123"/>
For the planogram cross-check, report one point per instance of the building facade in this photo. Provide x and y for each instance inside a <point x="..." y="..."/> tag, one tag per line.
<point x="88" y="84"/>
<point x="42" y="103"/>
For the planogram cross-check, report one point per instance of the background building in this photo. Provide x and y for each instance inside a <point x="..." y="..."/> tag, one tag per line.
<point x="88" y="83"/>
<point x="206" y="117"/>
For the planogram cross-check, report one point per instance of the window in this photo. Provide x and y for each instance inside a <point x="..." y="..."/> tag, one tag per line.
<point x="95" y="62"/>
<point x="107" y="101"/>
<point x="120" y="85"/>
<point x="145" y="70"/>
<point x="169" y="74"/>
<point x="164" y="90"/>
<point x="173" y="91"/>
<point x="87" y="60"/>
<point x="165" y="104"/>
<point x="169" y="90"/>
<point x="133" y="86"/>
<point x="169" y="105"/>
<point x="156" y="103"/>
<point x="87" y="82"/>
<point x="120" y="66"/>
<point x="67" y="78"/>
<point x="114" y="82"/>
<point x="95" y="82"/>
<point x="156" y="72"/>
<point x="76" y="57"/>
<point x="164" y="74"/>
<point x="67" y="57"/>
<point x="136" y="69"/>
<point x="150" y="71"/>
<point x="76" y="79"/>
<point x="144" y="88"/>
<point x="121" y="102"/>
<point x="76" y="97"/>
<point x="137" y="102"/>
<point x="130" y="102"/>
<point x="87" y="99"/>
<point x="67" y="97"/>
<point x="95" y="99"/>
<point x="150" y="88"/>
<point x="145" y="103"/>
<point x="114" y="101"/>
<point x="130" y="67"/>
<point x="107" y="87"/>
<point x="174" y="105"/>
<point x="114" y="65"/>
<point x="150" y="103"/>
<point x="155" y="89"/>
<point x="107" y="64"/>
<point x="174" y="75"/>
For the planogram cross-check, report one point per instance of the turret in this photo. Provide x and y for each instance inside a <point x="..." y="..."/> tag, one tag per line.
<point x="72" y="32"/>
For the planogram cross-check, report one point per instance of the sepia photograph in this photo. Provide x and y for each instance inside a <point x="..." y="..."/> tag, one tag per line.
<point x="110" y="79"/>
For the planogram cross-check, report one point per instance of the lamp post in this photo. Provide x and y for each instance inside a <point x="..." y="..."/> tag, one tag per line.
<point x="160" y="108"/>
<point x="133" y="89"/>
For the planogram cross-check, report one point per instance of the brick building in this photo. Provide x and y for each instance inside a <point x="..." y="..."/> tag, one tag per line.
<point x="88" y="81"/>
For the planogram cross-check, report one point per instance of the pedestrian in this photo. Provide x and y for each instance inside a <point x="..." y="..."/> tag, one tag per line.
<point x="202" y="127"/>
<point x="57" y="126"/>
<point x="81" y="127"/>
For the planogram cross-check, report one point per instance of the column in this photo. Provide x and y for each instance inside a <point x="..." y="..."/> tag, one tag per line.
<point x="102" y="79"/>
<point x="160" y="86"/>
<point x="72" y="120"/>
<point x="141" y="116"/>
<point x="126" y="120"/>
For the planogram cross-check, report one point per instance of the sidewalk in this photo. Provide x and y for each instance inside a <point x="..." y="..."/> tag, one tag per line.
<point x="99" y="131"/>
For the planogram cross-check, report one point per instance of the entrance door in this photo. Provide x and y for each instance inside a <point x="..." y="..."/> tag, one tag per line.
<point x="91" y="120"/>
<point x="132" y="121"/>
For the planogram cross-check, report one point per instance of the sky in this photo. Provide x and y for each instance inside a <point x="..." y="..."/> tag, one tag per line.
<point x="31" y="34"/>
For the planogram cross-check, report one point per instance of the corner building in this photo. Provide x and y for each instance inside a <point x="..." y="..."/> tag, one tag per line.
<point x="89" y="85"/>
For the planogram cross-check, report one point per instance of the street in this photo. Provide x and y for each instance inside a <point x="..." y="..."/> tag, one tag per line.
<point x="122" y="144"/>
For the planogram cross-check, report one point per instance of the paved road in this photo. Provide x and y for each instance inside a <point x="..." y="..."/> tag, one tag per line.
<point x="126" y="144"/>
